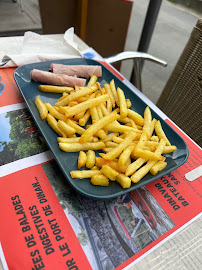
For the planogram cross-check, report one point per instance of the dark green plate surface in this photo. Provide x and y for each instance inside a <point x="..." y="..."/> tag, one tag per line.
<point x="68" y="161"/>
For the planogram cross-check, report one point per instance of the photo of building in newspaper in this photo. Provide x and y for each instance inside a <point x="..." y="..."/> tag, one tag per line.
<point x="126" y="224"/>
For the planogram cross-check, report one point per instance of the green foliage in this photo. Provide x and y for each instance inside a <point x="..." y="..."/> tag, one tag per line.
<point x="21" y="144"/>
<point x="82" y="237"/>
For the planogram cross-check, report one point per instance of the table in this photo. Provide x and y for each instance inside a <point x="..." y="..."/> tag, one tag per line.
<point x="183" y="250"/>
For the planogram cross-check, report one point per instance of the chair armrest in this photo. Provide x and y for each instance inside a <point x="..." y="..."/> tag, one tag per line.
<point x="135" y="56"/>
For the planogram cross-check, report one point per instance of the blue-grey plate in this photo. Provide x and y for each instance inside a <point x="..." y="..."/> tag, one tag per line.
<point x="68" y="161"/>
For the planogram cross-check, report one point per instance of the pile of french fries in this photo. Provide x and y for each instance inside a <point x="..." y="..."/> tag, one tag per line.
<point x="129" y="145"/>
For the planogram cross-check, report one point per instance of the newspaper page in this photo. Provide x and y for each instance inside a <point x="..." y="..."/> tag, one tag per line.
<point x="46" y="224"/>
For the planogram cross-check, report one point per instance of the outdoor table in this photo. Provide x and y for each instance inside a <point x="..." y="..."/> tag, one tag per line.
<point x="179" y="250"/>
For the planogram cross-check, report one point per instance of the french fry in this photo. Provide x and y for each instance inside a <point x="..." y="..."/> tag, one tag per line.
<point x="133" y="125"/>
<point x="100" y="180"/>
<point x="122" y="100"/>
<point x="90" y="162"/>
<point x="112" y="163"/>
<point x="137" y="118"/>
<point x="153" y="122"/>
<point x="109" y="105"/>
<point x="75" y="139"/>
<point x="138" y="175"/>
<point x="84" y="173"/>
<point x="151" y="148"/>
<point x="154" y="138"/>
<point x="55" y="113"/>
<point x="55" y="89"/>
<point x="82" y="159"/>
<point x="76" y="87"/>
<point x="110" y="144"/>
<point x="94" y="114"/>
<point x="110" y="137"/>
<point x="99" y="111"/>
<point x="116" y="127"/>
<point x="117" y="139"/>
<point x="76" y="147"/>
<point x="74" y="96"/>
<point x="114" y="92"/>
<point x="128" y="103"/>
<point x="160" y="133"/>
<point x="141" y="143"/>
<point x="95" y="168"/>
<point x="109" y="172"/>
<point x="108" y="90"/>
<point x="147" y="122"/>
<point x="151" y="143"/>
<point x="104" y="110"/>
<point x="95" y="87"/>
<point x="125" y="155"/>
<point x="69" y="131"/>
<point x="71" y="104"/>
<point x="147" y="154"/>
<point x="169" y="149"/>
<point x="101" y="134"/>
<point x="62" y="110"/>
<point x="43" y="111"/>
<point x="54" y="125"/>
<point x="98" y="125"/>
<point x="56" y="108"/>
<point x="103" y="91"/>
<point x="85" y="105"/>
<point x="64" y="95"/>
<point x="79" y="115"/>
<point x="125" y="120"/>
<point x="92" y="81"/>
<point x="159" y="166"/>
<point x="82" y="99"/>
<point x="79" y="130"/>
<point x="119" y="149"/>
<point x="107" y="149"/>
<point x="84" y="119"/>
<point x="68" y="140"/>
<point x="99" y="87"/>
<point x="135" y="166"/>
<point x="123" y="180"/>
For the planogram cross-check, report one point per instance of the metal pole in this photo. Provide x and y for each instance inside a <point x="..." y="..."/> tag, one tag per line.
<point x="148" y="28"/>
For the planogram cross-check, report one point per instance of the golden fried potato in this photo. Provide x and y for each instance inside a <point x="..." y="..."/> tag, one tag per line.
<point x="43" y="111"/>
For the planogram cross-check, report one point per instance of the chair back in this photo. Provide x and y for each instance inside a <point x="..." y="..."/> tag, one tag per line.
<point x="181" y="99"/>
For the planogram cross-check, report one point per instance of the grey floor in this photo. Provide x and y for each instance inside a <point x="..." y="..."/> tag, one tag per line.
<point x="173" y="27"/>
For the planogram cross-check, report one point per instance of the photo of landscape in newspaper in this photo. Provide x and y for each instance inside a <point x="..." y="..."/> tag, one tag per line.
<point x="125" y="224"/>
<point x="20" y="137"/>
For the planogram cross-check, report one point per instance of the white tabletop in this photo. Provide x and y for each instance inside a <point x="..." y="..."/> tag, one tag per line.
<point x="184" y="249"/>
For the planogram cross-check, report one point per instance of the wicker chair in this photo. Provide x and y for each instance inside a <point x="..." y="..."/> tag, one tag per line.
<point x="181" y="99"/>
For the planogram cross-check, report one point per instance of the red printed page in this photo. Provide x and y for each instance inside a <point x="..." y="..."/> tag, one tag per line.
<point x="181" y="199"/>
<point x="34" y="231"/>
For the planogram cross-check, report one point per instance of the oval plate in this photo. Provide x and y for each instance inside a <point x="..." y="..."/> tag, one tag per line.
<point x="68" y="161"/>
